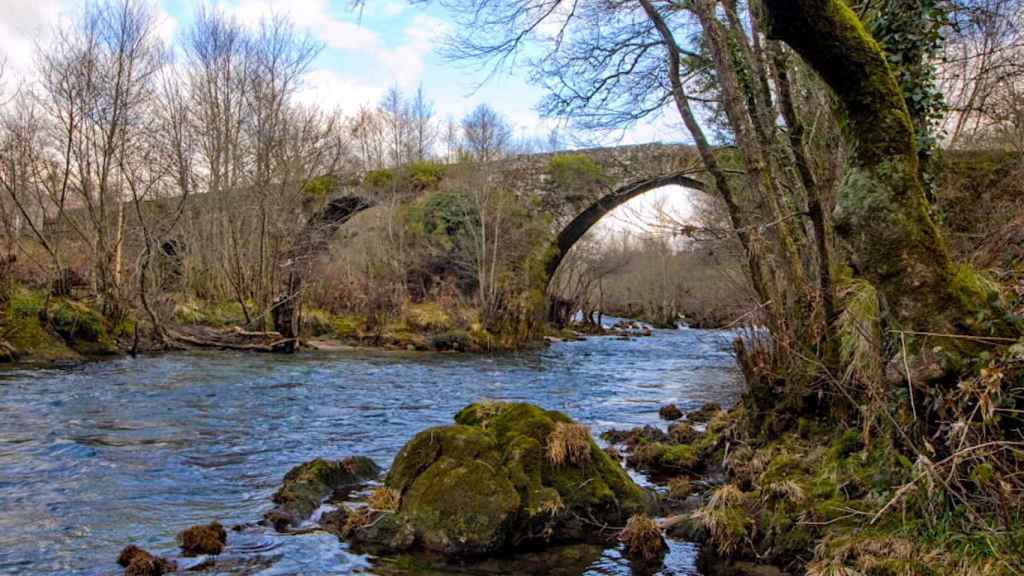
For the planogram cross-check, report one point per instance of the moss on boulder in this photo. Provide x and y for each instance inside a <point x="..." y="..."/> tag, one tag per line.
<point x="203" y="539"/>
<point x="307" y="485"/>
<point x="487" y="484"/>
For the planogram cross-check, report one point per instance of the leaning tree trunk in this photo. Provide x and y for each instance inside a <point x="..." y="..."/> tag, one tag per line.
<point x="881" y="212"/>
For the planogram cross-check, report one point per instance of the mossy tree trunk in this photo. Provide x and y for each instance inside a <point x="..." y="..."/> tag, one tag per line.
<point x="881" y="213"/>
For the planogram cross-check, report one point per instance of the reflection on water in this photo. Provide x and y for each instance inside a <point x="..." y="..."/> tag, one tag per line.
<point x="134" y="450"/>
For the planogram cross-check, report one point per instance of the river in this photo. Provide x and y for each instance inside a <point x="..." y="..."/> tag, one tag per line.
<point x="133" y="450"/>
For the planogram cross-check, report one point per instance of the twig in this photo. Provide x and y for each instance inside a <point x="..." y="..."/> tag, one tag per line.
<point x="959" y="336"/>
<point x="906" y="367"/>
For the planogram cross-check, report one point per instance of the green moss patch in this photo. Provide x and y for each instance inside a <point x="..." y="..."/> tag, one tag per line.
<point x="487" y="484"/>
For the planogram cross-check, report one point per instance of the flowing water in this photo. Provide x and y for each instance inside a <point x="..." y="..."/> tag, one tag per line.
<point x="133" y="450"/>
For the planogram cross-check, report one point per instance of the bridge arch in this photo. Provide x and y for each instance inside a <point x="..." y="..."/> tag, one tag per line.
<point x="585" y="220"/>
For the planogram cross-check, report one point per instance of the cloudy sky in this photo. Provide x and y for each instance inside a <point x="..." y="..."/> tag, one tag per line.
<point x="389" y="42"/>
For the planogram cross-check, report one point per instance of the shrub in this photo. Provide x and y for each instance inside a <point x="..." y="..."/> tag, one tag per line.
<point x="425" y="175"/>
<point x="379" y="178"/>
<point x="321" y="186"/>
<point x="442" y="215"/>
<point x="576" y="172"/>
<point x="75" y="321"/>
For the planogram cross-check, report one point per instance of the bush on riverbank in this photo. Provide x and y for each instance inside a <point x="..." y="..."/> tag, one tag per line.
<point x="849" y="489"/>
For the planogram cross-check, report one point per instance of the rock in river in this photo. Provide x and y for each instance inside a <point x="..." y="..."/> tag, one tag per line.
<point x="505" y="476"/>
<point x="199" y="540"/>
<point x="307" y="485"/>
<point x="670" y="412"/>
<point x="138" y="562"/>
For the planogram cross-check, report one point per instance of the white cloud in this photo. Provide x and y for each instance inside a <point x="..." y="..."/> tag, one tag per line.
<point x="22" y="25"/>
<point x="166" y="26"/>
<point x="335" y="28"/>
<point x="329" y="89"/>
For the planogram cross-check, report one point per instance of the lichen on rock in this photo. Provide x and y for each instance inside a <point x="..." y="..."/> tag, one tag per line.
<point x="488" y="484"/>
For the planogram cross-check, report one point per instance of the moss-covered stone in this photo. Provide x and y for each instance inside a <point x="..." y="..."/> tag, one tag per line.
<point x="138" y="562"/>
<point x="307" y="485"/>
<point x="488" y="484"/>
<point x="203" y="539"/>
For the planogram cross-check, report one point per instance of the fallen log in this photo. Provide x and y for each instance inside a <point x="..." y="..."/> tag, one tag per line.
<point x="232" y="339"/>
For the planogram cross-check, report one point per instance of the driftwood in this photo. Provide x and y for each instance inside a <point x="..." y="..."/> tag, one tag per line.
<point x="232" y="339"/>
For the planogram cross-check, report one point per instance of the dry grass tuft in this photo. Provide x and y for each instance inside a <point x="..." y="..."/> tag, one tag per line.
<point x="831" y="569"/>
<point x="384" y="499"/>
<point x="569" y="443"/>
<point x="740" y="462"/>
<point x="358" y="519"/>
<point x="726" y="518"/>
<point x="642" y="538"/>
<point x="785" y="489"/>
<point x="857" y="556"/>
<point x="858" y="330"/>
<point x="679" y="488"/>
<point x="553" y="506"/>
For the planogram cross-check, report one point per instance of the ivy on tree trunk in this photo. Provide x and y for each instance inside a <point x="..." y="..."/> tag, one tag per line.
<point x="881" y="212"/>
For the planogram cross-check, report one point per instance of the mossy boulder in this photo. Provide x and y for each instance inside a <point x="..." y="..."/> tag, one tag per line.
<point x="203" y="539"/>
<point x="138" y="562"/>
<point x="488" y="484"/>
<point x="307" y="485"/>
<point x="670" y="412"/>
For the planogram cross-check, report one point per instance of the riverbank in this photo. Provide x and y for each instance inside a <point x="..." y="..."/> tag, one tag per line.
<point x="814" y="491"/>
<point x="38" y="329"/>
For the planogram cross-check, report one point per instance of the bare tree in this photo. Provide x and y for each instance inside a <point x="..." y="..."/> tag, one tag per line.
<point x="395" y="113"/>
<point x="421" y="114"/>
<point x="452" y="138"/>
<point x="486" y="134"/>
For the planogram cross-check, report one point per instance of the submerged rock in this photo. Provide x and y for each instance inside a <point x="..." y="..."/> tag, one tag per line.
<point x="334" y="521"/>
<point x="378" y="532"/>
<point x="138" y="562"/>
<point x="307" y="485"/>
<point x="683" y="433"/>
<point x="199" y="540"/>
<point x="704" y="413"/>
<point x="670" y="412"/>
<point x="505" y="476"/>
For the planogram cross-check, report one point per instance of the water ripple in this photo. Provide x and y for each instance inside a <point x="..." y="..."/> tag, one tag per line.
<point x="134" y="449"/>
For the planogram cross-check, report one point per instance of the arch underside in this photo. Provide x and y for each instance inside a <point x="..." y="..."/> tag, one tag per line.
<point x="579" y="225"/>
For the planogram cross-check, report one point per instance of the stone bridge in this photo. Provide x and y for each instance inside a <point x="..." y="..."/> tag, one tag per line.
<point x="560" y="181"/>
<point x="576" y="188"/>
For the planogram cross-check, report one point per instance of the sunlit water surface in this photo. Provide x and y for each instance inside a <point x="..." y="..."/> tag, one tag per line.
<point x="133" y="450"/>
